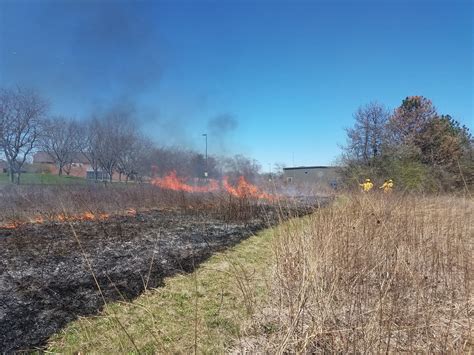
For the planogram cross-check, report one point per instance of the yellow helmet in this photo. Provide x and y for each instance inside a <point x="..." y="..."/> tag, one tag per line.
<point x="367" y="180"/>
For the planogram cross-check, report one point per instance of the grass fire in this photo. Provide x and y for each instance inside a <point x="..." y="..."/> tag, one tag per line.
<point x="223" y="177"/>
<point x="241" y="189"/>
<point x="169" y="229"/>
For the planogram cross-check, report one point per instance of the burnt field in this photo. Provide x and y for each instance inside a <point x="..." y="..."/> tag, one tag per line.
<point x="53" y="272"/>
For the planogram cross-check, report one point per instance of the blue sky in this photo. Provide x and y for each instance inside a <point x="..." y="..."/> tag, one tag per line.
<point x="283" y="77"/>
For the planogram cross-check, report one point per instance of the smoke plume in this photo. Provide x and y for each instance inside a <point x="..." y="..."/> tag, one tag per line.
<point x="220" y="129"/>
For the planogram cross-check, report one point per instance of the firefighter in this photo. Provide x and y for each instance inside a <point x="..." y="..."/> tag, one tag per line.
<point x="367" y="185"/>
<point x="387" y="186"/>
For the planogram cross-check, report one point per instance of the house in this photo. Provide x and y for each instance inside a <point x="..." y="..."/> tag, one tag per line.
<point x="79" y="166"/>
<point x="43" y="158"/>
<point x="322" y="176"/>
<point x="44" y="162"/>
<point x="79" y="159"/>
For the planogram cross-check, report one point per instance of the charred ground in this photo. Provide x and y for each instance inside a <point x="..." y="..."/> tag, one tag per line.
<point x="49" y="272"/>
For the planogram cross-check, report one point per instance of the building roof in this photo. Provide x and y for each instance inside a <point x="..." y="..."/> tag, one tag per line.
<point x="43" y="158"/>
<point x="79" y="157"/>
<point x="309" y="167"/>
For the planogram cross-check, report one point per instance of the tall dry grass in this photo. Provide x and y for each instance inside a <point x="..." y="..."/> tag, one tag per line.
<point x="23" y="204"/>
<point x="373" y="273"/>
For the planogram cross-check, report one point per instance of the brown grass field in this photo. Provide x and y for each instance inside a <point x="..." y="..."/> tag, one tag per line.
<point x="370" y="273"/>
<point x="375" y="274"/>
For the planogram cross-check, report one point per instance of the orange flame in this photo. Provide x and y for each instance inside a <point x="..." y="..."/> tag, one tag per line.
<point x="173" y="182"/>
<point x="104" y="215"/>
<point x="244" y="189"/>
<point x="62" y="217"/>
<point x="37" y="220"/>
<point x="88" y="216"/>
<point x="131" y="212"/>
<point x="85" y="216"/>
<point x="11" y="225"/>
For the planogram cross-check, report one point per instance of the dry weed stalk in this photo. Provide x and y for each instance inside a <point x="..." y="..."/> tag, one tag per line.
<point x="375" y="274"/>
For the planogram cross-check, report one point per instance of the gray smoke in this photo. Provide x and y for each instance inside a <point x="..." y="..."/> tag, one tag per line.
<point x="81" y="51"/>
<point x="220" y="129"/>
<point x="222" y="124"/>
<point x="89" y="57"/>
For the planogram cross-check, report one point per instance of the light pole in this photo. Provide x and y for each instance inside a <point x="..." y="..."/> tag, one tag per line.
<point x="205" y="171"/>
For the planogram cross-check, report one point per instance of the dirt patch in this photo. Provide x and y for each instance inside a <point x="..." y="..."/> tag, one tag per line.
<point x="45" y="271"/>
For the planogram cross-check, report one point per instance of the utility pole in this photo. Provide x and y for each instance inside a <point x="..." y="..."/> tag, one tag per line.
<point x="205" y="171"/>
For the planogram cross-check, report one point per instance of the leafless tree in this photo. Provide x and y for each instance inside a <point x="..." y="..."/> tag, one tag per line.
<point x="60" y="139"/>
<point x="111" y="143"/>
<point x="164" y="160"/>
<point x="278" y="169"/>
<point x="240" y="165"/>
<point x="184" y="162"/>
<point x="365" y="139"/>
<point x="134" y="159"/>
<point x="89" y="137"/>
<point x="115" y="132"/>
<point x="21" y="114"/>
<point x="143" y="161"/>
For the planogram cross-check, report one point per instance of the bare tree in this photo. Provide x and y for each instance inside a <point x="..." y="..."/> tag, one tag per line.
<point x="21" y="115"/>
<point x="89" y="137"/>
<point x="134" y="160"/>
<point x="115" y="131"/>
<point x="60" y="139"/>
<point x="165" y="160"/>
<point x="184" y="162"/>
<point x="365" y="139"/>
<point x="240" y="165"/>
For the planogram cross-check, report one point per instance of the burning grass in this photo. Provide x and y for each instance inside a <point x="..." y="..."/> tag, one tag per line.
<point x="242" y="188"/>
<point x="172" y="182"/>
<point x="20" y="205"/>
<point x="371" y="273"/>
<point x="38" y="204"/>
<point x="65" y="242"/>
<point x="50" y="273"/>
<point x="45" y="204"/>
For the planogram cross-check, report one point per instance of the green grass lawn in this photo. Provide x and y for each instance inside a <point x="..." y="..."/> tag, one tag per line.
<point x="40" y="179"/>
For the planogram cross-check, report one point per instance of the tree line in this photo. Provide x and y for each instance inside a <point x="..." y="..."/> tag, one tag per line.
<point x="111" y="142"/>
<point x="413" y="144"/>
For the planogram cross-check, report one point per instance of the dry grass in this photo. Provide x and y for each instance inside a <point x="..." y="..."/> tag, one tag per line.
<point x="371" y="273"/>
<point x="375" y="273"/>
<point x="22" y="204"/>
